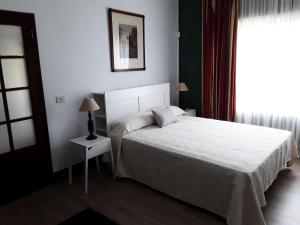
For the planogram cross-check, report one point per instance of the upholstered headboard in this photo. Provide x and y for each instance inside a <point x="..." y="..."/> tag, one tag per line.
<point x="140" y="99"/>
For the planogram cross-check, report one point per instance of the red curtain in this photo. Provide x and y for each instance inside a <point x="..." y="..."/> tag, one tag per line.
<point x="219" y="58"/>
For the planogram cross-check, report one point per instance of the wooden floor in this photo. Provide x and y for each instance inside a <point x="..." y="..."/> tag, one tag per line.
<point x="130" y="203"/>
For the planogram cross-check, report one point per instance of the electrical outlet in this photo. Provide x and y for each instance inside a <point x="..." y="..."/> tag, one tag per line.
<point x="60" y="99"/>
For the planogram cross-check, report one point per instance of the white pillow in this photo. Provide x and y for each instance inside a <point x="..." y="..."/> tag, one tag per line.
<point x="176" y="110"/>
<point x="133" y="122"/>
<point x="164" y="117"/>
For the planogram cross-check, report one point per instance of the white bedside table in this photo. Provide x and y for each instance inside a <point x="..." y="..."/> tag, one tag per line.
<point x="190" y="112"/>
<point x="90" y="149"/>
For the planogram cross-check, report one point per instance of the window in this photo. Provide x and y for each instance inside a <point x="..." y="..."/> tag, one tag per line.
<point x="268" y="64"/>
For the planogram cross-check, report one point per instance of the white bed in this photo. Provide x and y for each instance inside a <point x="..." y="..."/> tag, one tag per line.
<point x="221" y="166"/>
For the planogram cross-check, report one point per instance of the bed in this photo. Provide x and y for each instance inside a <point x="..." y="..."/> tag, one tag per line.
<point x="221" y="166"/>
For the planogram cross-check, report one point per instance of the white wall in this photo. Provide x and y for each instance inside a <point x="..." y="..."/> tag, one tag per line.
<point x="74" y="54"/>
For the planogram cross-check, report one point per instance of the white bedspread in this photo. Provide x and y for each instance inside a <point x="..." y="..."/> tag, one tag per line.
<point x="221" y="166"/>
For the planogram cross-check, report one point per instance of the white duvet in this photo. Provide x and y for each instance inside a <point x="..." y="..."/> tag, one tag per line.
<point x="221" y="166"/>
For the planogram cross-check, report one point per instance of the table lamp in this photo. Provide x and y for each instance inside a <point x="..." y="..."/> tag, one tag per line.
<point x="181" y="87"/>
<point x="89" y="105"/>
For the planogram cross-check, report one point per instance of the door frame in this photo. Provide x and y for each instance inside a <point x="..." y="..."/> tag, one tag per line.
<point x="30" y="43"/>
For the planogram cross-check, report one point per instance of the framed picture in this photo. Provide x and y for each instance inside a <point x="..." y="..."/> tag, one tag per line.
<point x="127" y="41"/>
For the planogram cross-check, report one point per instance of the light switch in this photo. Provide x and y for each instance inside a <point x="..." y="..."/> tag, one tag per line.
<point x="60" y="99"/>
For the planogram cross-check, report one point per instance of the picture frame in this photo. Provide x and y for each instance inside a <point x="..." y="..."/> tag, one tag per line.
<point x="127" y="40"/>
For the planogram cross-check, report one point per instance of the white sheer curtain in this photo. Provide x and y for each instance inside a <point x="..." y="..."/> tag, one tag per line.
<point x="268" y="64"/>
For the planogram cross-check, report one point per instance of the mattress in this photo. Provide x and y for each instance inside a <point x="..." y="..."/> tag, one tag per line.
<point x="220" y="166"/>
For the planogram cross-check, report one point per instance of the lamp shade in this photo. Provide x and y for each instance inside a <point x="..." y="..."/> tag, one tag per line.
<point x="89" y="105"/>
<point x="182" y="87"/>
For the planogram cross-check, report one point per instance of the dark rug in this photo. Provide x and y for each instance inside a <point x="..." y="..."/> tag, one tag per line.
<point x="88" y="217"/>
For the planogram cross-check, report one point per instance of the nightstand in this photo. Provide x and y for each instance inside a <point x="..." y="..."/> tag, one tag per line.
<point x="190" y="112"/>
<point x="87" y="149"/>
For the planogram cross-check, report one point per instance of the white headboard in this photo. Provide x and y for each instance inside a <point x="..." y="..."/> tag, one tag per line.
<point x="123" y="102"/>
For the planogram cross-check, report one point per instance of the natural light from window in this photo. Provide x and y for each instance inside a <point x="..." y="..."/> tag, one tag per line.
<point x="268" y="65"/>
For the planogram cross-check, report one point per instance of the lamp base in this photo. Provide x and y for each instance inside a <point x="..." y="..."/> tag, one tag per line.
<point x="91" y="128"/>
<point x="91" y="137"/>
